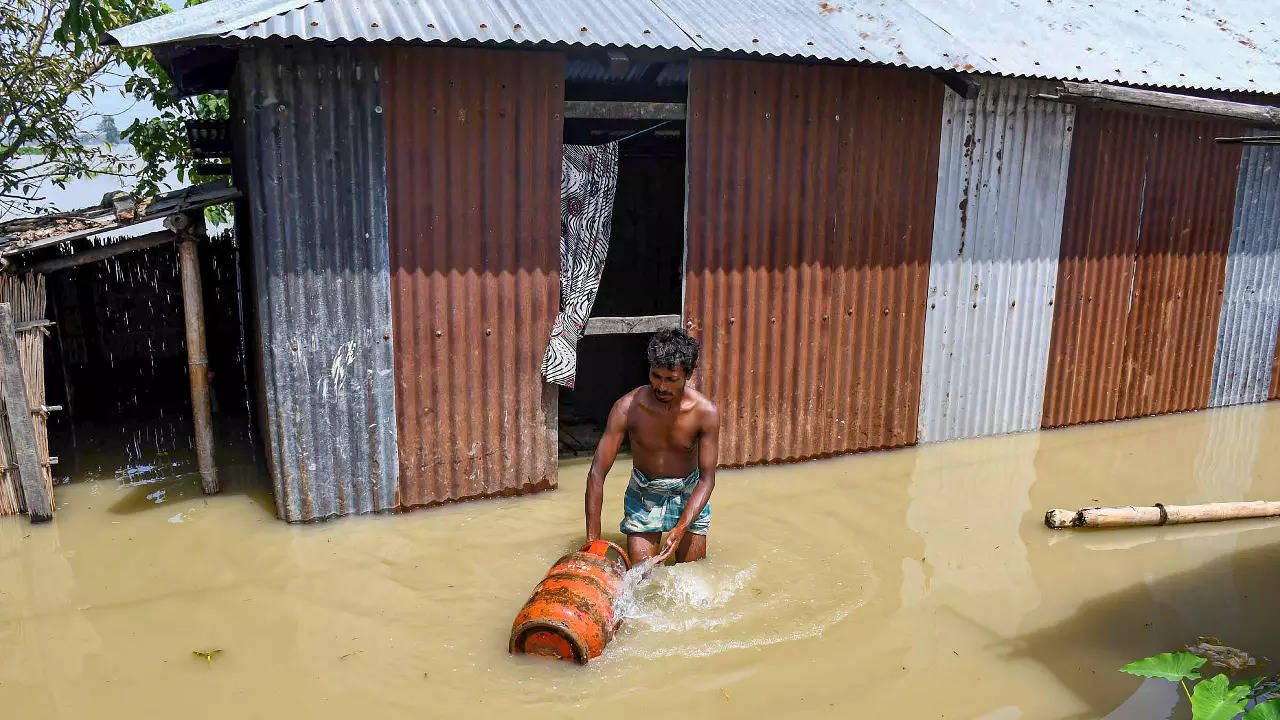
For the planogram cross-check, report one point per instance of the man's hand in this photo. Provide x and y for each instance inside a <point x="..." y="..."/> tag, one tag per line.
<point x="673" y="541"/>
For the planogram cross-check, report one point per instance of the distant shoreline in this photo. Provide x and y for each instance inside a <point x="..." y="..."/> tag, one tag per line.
<point x="29" y="150"/>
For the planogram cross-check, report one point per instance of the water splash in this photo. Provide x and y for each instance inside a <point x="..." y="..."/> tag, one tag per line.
<point x="624" y="605"/>
<point x="714" y="606"/>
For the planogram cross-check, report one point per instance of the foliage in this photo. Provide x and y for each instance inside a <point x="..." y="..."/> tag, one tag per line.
<point x="45" y="95"/>
<point x="55" y="66"/>
<point x="1215" y="698"/>
<point x="160" y="142"/>
<point x="1173" y="666"/>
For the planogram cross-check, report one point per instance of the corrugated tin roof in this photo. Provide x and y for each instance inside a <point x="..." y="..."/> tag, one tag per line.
<point x="622" y="23"/>
<point x="1190" y="43"/>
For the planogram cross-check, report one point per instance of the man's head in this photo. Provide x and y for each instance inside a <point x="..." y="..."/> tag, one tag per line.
<point x="673" y="354"/>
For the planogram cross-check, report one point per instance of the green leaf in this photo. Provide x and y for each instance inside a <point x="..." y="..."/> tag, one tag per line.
<point x="1216" y="699"/>
<point x="1269" y="710"/>
<point x="1172" y="666"/>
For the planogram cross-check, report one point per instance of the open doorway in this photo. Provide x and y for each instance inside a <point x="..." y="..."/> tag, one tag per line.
<point x="641" y="105"/>
<point x="117" y="364"/>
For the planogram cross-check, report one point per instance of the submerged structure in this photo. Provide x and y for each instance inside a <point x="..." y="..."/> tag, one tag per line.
<point x="888" y="223"/>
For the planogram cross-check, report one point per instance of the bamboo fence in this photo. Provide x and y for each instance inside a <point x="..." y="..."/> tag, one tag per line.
<point x="26" y="295"/>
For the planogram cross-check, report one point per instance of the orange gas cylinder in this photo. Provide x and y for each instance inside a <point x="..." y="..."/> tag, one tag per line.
<point x="570" y="614"/>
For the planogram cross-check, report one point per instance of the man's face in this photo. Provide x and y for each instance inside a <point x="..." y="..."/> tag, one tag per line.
<point x="667" y="383"/>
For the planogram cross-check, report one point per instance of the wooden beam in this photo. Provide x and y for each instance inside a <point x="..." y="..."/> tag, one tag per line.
<point x="189" y="229"/>
<point x="1250" y="140"/>
<point x="618" y="110"/>
<point x="1264" y="115"/>
<point x="22" y="432"/>
<point x="962" y="85"/>
<point x="630" y="325"/>
<point x="98" y="254"/>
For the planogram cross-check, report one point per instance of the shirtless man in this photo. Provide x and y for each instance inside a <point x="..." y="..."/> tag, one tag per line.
<point x="675" y="433"/>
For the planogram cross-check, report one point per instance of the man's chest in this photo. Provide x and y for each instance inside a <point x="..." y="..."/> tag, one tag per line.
<point x="664" y="436"/>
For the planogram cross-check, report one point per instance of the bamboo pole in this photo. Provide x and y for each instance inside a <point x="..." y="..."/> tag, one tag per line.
<point x="98" y="254"/>
<point x="1158" y="514"/>
<point x="188" y="230"/>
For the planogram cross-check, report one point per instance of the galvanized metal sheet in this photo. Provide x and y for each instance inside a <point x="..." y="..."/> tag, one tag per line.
<point x="1002" y="182"/>
<point x="204" y="20"/>
<point x="473" y="165"/>
<point x="891" y="33"/>
<point x="1187" y="44"/>
<point x="810" y="211"/>
<point x="1145" y="235"/>
<point x="313" y="160"/>
<point x="1192" y="44"/>
<point x="1247" y="329"/>
<point x="631" y="23"/>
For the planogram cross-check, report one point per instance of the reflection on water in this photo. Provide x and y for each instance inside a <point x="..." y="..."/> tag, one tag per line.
<point x="915" y="583"/>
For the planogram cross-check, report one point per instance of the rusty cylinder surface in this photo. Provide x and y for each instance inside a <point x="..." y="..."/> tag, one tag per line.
<point x="197" y="360"/>
<point x="569" y="616"/>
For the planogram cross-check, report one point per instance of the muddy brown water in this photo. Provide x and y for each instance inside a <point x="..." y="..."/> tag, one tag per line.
<point x="917" y="583"/>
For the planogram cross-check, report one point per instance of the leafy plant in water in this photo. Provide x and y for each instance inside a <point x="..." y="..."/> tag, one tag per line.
<point x="1215" y="698"/>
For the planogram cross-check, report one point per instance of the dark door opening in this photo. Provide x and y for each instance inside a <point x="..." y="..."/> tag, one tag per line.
<point x="643" y="274"/>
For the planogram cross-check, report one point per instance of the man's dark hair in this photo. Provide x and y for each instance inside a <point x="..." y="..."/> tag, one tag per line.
<point x="674" y="348"/>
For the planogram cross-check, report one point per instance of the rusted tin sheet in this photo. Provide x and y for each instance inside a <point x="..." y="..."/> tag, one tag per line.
<point x="1275" y="374"/>
<point x="313" y="161"/>
<point x="1180" y="268"/>
<point x="473" y="166"/>
<point x="1145" y="234"/>
<point x="1002" y="181"/>
<point x="1251" y="297"/>
<point x="810" y="214"/>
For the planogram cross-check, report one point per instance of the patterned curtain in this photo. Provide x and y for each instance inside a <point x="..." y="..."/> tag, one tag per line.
<point x="587" y="185"/>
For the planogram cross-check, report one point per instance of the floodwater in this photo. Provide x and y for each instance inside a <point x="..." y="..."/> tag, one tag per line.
<point x="917" y="583"/>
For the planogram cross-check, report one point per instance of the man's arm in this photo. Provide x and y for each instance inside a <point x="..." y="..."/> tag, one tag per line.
<point x="606" y="453"/>
<point x="708" y="453"/>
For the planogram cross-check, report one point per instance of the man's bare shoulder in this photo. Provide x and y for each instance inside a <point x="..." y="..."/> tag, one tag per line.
<point x="703" y="407"/>
<point x="628" y="401"/>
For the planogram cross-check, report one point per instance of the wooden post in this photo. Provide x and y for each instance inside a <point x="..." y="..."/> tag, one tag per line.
<point x="22" y="434"/>
<point x="189" y="229"/>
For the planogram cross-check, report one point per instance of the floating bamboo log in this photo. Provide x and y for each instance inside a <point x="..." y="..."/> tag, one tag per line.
<point x="1158" y="514"/>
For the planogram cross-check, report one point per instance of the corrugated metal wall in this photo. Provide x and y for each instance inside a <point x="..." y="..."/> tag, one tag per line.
<point x="810" y="214"/>
<point x="1178" y="278"/>
<point x="1275" y="374"/>
<point x="313" y="162"/>
<point x="1002" y="182"/>
<point x="1250" y="316"/>
<point x="473" y="165"/>
<point x="1145" y="235"/>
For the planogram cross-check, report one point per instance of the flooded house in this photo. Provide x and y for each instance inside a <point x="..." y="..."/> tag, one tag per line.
<point x="888" y="224"/>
